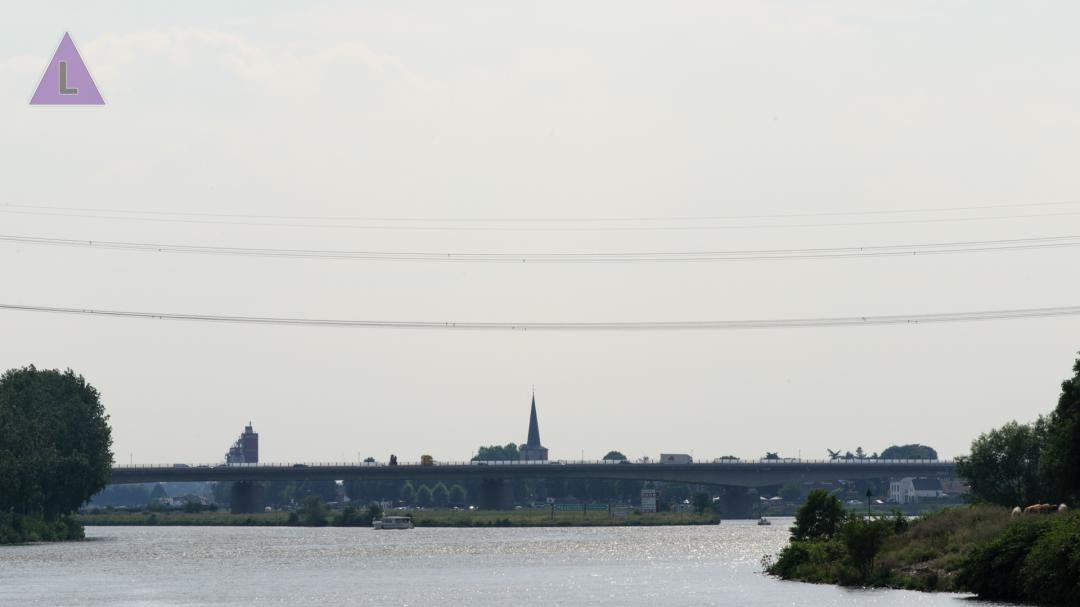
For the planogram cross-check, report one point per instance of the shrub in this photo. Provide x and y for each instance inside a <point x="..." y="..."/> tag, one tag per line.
<point x="1051" y="571"/>
<point x="993" y="569"/>
<point x="313" y="512"/>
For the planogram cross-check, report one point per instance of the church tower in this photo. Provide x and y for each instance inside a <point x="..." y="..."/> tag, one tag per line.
<point x="532" y="449"/>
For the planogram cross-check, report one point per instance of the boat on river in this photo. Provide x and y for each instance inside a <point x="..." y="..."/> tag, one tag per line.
<point x="393" y="522"/>
<point x="763" y="521"/>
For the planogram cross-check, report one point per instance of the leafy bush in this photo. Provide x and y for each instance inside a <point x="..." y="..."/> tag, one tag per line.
<point x="20" y="529"/>
<point x="1036" y="560"/>
<point x="1051" y="571"/>
<point x="993" y="569"/>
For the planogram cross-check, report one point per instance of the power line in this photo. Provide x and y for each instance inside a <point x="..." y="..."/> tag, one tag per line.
<point x="451" y="225"/>
<point x="940" y="248"/>
<point x="783" y="323"/>
<point x="540" y="219"/>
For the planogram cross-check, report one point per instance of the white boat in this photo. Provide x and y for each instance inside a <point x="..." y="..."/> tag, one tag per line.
<point x="764" y="521"/>
<point x="393" y="522"/>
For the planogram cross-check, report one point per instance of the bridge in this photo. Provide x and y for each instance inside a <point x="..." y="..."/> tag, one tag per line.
<point x="493" y="474"/>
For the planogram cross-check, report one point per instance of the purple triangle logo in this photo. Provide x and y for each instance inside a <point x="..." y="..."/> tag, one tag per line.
<point x="66" y="80"/>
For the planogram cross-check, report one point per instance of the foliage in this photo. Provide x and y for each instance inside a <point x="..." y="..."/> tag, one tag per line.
<point x="701" y="502"/>
<point x="313" y="512"/>
<point x="863" y="540"/>
<point x="18" y="529"/>
<point x="614" y="456"/>
<point x="197" y="507"/>
<point x="1003" y="467"/>
<point x="1051" y="571"/>
<point x="1061" y="461"/>
<point x="913" y="451"/>
<point x="1037" y="560"/>
<point x="925" y="554"/>
<point x="353" y="516"/>
<point x="508" y="452"/>
<point x="54" y="442"/>
<point x="819" y="517"/>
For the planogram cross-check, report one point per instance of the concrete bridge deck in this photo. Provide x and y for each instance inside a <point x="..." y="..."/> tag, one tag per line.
<point x="731" y="473"/>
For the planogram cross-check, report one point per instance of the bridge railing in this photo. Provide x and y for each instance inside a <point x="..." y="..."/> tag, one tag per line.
<point x="732" y="462"/>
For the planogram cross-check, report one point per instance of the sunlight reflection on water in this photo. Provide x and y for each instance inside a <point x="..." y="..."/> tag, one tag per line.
<point x="150" y="566"/>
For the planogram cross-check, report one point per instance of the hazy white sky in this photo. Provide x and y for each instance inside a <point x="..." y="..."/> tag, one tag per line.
<point x="507" y="111"/>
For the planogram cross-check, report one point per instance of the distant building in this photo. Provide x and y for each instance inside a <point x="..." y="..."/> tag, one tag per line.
<point x="532" y="449"/>
<point x="649" y="497"/>
<point x="911" y="490"/>
<point x="246" y="448"/>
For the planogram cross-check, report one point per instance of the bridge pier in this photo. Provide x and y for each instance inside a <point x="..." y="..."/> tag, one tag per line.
<point x="246" y="497"/>
<point x="496" y="494"/>
<point x="738" y="502"/>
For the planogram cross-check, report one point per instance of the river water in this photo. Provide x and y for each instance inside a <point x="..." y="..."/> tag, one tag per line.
<point x="150" y="566"/>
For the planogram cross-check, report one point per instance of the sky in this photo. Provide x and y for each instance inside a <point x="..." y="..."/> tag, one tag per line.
<point x="538" y="128"/>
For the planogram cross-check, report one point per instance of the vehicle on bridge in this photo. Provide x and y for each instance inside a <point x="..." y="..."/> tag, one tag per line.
<point x="427" y="460"/>
<point x="676" y="458"/>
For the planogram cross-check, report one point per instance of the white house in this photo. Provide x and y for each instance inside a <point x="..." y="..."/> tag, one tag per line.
<point x="911" y="490"/>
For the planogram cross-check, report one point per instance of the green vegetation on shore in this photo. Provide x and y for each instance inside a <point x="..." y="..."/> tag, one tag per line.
<point x="421" y="518"/>
<point x="54" y="453"/>
<point x="984" y="550"/>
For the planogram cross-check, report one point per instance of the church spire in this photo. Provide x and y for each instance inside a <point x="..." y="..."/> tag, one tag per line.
<point x="534" y="427"/>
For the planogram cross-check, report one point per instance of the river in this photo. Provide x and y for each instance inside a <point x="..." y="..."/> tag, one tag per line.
<point x="226" y="566"/>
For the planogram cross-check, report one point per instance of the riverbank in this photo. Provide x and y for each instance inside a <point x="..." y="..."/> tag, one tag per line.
<point x="421" y="518"/>
<point x="982" y="550"/>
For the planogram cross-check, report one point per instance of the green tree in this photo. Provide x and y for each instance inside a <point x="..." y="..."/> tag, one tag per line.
<point x="497" y="453"/>
<point x="913" y="451"/>
<point x="313" y="512"/>
<point x="1003" y="467"/>
<point x="1061" y="460"/>
<point x="819" y="517"/>
<point x="440" y="495"/>
<point x="615" y="456"/>
<point x="54" y="442"/>
<point x="702" y="502"/>
<point x="369" y="460"/>
<point x="458" y="496"/>
<point x="423" y="496"/>
<point x="863" y="540"/>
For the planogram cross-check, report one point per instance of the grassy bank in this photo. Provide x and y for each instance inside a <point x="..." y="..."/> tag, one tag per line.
<point x="978" y="549"/>
<point x="421" y="518"/>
